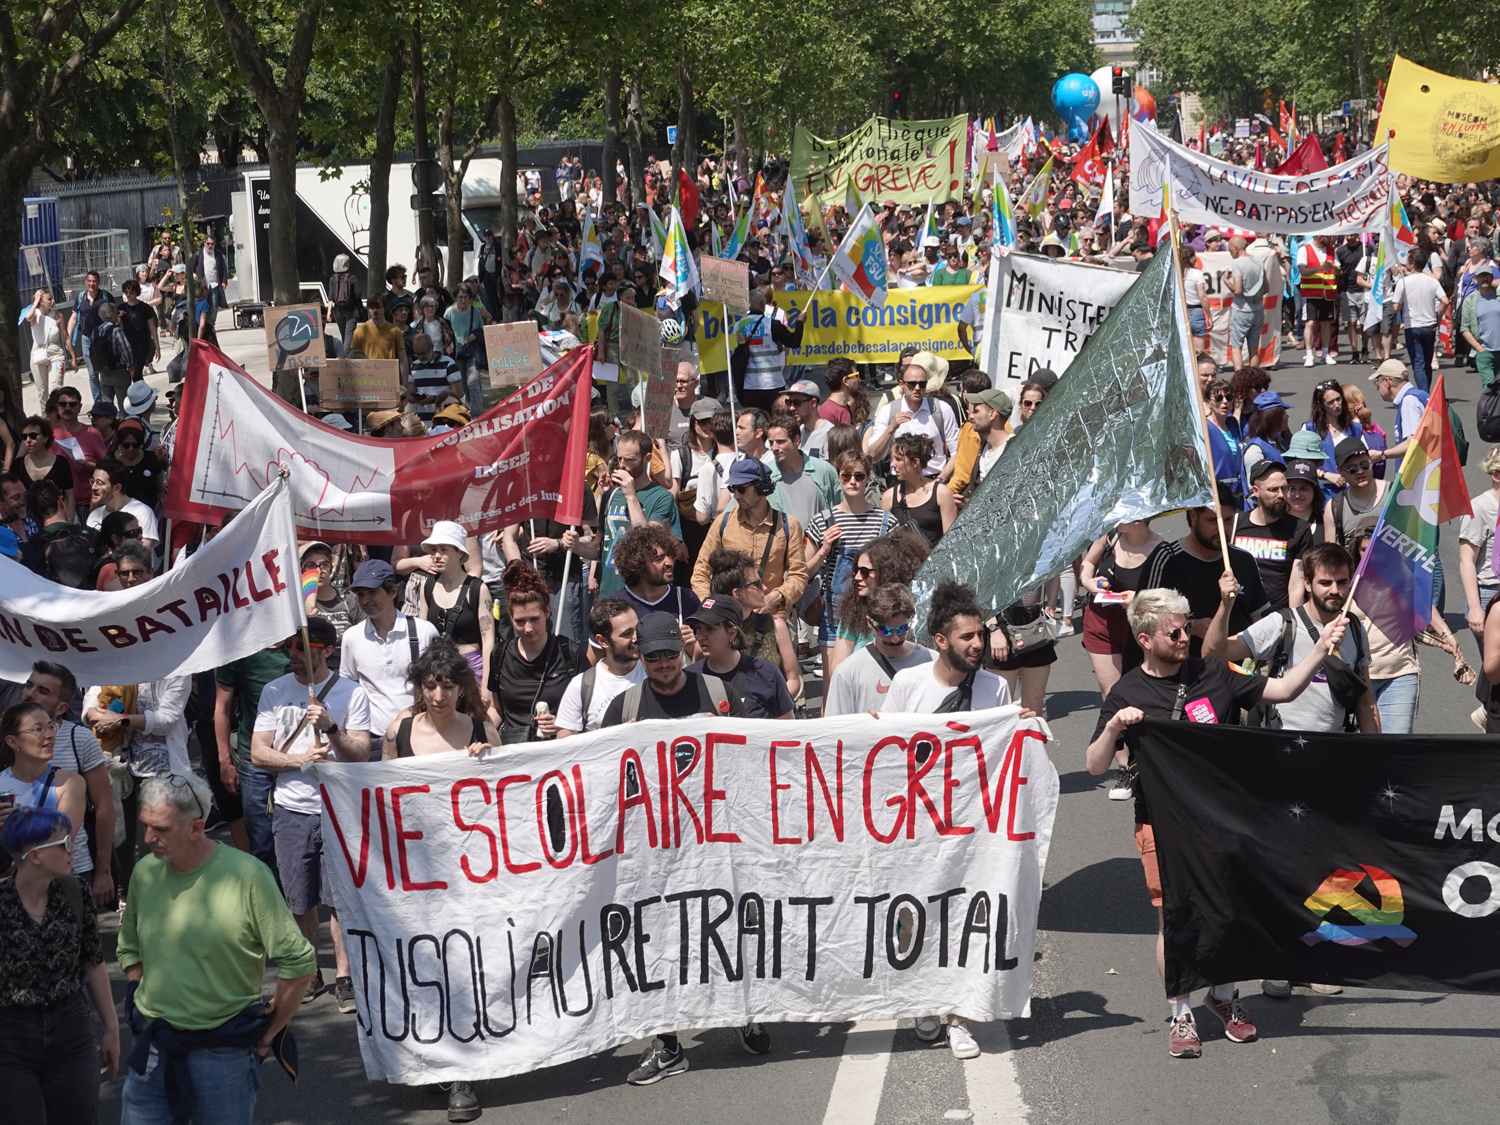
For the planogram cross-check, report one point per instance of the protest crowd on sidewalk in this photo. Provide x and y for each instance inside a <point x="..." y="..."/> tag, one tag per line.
<point x="797" y="510"/>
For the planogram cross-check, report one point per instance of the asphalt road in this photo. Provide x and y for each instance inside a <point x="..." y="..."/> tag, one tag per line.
<point x="1094" y="1049"/>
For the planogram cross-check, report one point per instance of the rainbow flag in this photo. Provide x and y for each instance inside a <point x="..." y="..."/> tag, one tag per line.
<point x="860" y="262"/>
<point x="1003" y="218"/>
<point x="1035" y="199"/>
<point x="309" y="583"/>
<point x="679" y="273"/>
<point x="1396" y="575"/>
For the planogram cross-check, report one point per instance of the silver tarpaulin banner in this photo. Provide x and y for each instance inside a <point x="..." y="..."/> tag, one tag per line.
<point x="1118" y="439"/>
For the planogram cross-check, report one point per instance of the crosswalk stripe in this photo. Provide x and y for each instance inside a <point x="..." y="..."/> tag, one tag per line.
<point x="993" y="1086"/>
<point x="860" y="1080"/>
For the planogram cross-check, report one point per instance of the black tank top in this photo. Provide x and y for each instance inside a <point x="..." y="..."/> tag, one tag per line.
<point x="403" y="736"/>
<point x="460" y="621"/>
<point x="926" y="516"/>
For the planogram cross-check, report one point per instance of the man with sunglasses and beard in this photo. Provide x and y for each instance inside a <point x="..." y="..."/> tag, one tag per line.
<point x="1171" y="684"/>
<point x="1273" y="536"/>
<point x="862" y="682"/>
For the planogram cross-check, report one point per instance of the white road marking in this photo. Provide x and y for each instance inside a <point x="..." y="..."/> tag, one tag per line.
<point x="860" y="1081"/>
<point x="993" y="1086"/>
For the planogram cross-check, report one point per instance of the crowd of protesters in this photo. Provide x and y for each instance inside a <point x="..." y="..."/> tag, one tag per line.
<point x="755" y="561"/>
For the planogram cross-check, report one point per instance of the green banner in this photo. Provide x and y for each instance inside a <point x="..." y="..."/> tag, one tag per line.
<point x="1118" y="439"/>
<point x="914" y="162"/>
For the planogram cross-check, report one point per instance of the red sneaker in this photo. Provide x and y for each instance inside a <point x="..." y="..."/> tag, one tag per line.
<point x="1237" y="1025"/>
<point x="1183" y="1041"/>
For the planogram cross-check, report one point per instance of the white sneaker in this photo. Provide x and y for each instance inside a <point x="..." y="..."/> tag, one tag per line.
<point x="1065" y="628"/>
<point x="1308" y="362"/>
<point x="929" y="1028"/>
<point x="1477" y="717"/>
<point x="961" y="1043"/>
<point x="1330" y="358"/>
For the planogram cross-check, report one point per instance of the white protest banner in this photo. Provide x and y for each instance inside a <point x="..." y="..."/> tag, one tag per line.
<point x="509" y="913"/>
<point x="1216" y="306"/>
<point x="238" y="594"/>
<point x="1348" y="197"/>
<point x="1041" y="312"/>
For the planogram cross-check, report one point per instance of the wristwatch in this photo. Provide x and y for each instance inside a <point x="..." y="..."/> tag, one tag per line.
<point x="333" y="728"/>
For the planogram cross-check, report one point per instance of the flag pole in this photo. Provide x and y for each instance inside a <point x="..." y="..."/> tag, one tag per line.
<point x="312" y="695"/>
<point x="1176" y="235"/>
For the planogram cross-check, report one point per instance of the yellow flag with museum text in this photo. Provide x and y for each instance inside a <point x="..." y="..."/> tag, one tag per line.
<point x="1446" y="129"/>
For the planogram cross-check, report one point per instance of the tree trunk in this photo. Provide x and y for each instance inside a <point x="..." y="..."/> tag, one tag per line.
<point x="741" y="144"/>
<point x="427" y="254"/>
<point x="453" y="196"/>
<point x="285" y="284"/>
<point x="169" y="85"/>
<point x="506" y="112"/>
<point x="685" y="151"/>
<point x="15" y="170"/>
<point x="635" y="143"/>
<point x="380" y="170"/>
<point x="610" y="154"/>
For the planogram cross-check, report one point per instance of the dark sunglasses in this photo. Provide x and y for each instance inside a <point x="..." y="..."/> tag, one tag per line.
<point x="865" y="571"/>
<point x="890" y="630"/>
<point x="130" y="445"/>
<point x="1177" y="634"/>
<point x="914" y="386"/>
<point x="854" y="478"/>
<point x="1357" y="466"/>
<point x="739" y="488"/>
<point x="658" y="656"/>
<point x="33" y="436"/>
<point x="1220" y="397"/>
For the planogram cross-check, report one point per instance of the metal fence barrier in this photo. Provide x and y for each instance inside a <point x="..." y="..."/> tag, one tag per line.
<point x="71" y="257"/>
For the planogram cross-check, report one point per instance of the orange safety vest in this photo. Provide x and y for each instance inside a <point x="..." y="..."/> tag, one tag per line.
<point x="1319" y="277"/>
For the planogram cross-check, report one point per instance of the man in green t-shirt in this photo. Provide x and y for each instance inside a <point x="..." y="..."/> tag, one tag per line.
<point x="200" y="923"/>
<point x="634" y="501"/>
<point x="241" y="683"/>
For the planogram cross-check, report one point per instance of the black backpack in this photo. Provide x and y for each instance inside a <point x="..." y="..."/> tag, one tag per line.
<point x="1487" y="413"/>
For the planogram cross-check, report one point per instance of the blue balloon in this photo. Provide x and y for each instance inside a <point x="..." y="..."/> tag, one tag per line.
<point x="1075" y="97"/>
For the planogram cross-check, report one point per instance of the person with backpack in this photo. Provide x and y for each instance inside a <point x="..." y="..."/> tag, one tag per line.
<point x="345" y="301"/>
<point x="111" y="357"/>
<point x="51" y="940"/>
<point x="718" y="628"/>
<point x="916" y="413"/>
<point x="85" y="319"/>
<point x="379" y="652"/>
<point x="612" y="625"/>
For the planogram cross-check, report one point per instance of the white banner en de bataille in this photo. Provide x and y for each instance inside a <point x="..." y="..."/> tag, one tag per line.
<point x="238" y="594"/>
<point x="554" y="901"/>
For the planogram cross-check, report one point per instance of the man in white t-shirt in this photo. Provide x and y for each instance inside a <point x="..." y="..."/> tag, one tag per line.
<point x="107" y="488"/>
<point x="1422" y="296"/>
<point x="612" y="625"/>
<point x="863" y="681"/>
<point x="915" y="413"/>
<point x="955" y="681"/>
<point x="290" y="731"/>
<point x="377" y="653"/>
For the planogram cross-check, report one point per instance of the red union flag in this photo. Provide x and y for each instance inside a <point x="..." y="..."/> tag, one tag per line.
<point x="522" y="459"/>
<point x="1090" y="168"/>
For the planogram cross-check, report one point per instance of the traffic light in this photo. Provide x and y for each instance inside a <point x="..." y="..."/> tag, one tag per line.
<point x="1119" y="82"/>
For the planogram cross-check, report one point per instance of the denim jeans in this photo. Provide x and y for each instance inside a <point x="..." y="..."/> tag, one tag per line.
<point x="1421" y="346"/>
<point x="1397" y="698"/>
<point x="88" y="361"/>
<point x="49" y="1063"/>
<point x="255" y="787"/>
<point x="473" y="389"/>
<point x="224" y="1082"/>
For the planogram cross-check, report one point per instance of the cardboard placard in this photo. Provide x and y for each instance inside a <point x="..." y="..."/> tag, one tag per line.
<point x="640" y="339"/>
<point x="515" y="353"/>
<point x="294" y="336"/>
<point x="359" y="384"/>
<point x="726" y="282"/>
<point x="661" y="387"/>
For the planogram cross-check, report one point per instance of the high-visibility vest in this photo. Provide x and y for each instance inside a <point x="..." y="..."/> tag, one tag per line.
<point x="1319" y="277"/>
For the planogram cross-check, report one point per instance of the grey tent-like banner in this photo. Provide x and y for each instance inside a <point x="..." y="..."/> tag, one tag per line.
<point x="1120" y="438"/>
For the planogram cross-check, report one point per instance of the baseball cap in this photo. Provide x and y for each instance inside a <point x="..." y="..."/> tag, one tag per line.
<point x="658" y="632"/>
<point x="996" y="399"/>
<point x="1044" y="376"/>
<point x="104" y="410"/>
<point x="717" y="610"/>
<point x="316" y="544"/>
<point x="372" y="574"/>
<point x="1302" y="470"/>
<point x="804" y="387"/>
<point x="337" y="421"/>
<point x="704" y="408"/>
<point x="320" y="631"/>
<point x="930" y="241"/>
<point x="747" y="470"/>
<point x="10" y="546"/>
<point x="1264" y="467"/>
<point x="1349" y="447"/>
<point x="448" y="533"/>
<point x="1267" y="399"/>
<point x="1390" y="369"/>
<point x="1485" y="267"/>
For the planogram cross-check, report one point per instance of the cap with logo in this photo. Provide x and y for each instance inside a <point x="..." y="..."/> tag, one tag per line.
<point x="717" y="610"/>
<point x="1349" y="447"/>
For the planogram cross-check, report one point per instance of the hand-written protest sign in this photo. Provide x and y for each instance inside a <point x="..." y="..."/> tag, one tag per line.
<point x="640" y="339"/>
<point x="864" y="880"/>
<point x="656" y="408"/>
<point x="294" y="336"/>
<point x="726" y="282"/>
<point x="1218" y="302"/>
<point x="359" y="384"/>
<point x="1348" y="197"/>
<point x="515" y="353"/>
<point x="904" y="161"/>
<point x="1047" y="309"/>
<point x="237" y="595"/>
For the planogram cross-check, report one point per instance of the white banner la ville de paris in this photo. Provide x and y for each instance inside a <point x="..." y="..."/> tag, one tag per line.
<point x="239" y="593"/>
<point x="516" y="911"/>
<point x="1349" y="197"/>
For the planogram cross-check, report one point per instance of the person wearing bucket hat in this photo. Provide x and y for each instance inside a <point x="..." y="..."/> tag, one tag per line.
<point x="457" y="602"/>
<point x="140" y="401"/>
<point x="916" y="412"/>
<point x="337" y="421"/>
<point x="759" y="683"/>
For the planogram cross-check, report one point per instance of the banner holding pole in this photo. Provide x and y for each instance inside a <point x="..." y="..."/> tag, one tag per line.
<point x="703" y="873"/>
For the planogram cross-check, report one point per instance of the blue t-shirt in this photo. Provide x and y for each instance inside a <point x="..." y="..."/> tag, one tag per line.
<point x="660" y="507"/>
<point x="763" y="691"/>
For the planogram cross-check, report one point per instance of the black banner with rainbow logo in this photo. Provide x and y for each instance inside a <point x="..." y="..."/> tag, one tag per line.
<point x="1325" y="858"/>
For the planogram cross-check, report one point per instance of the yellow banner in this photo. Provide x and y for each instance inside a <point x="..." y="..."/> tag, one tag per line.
<point x="708" y="330"/>
<point x="1446" y="129"/>
<point x="840" y="324"/>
